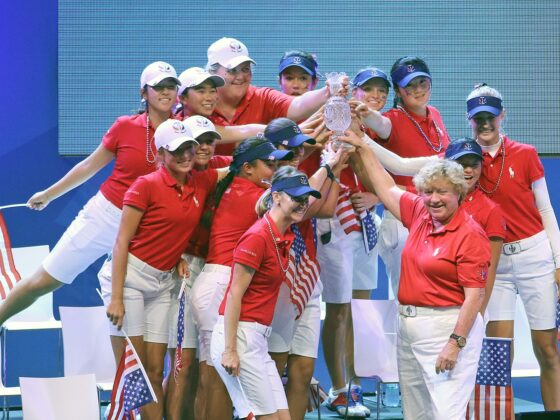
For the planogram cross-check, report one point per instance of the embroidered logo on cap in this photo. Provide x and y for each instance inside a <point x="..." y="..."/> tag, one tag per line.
<point x="410" y="68"/>
<point x="178" y="127"/>
<point x="297" y="60"/>
<point x="202" y="122"/>
<point x="467" y="146"/>
<point x="164" y="68"/>
<point x="235" y="46"/>
<point x="303" y="180"/>
<point x="482" y="100"/>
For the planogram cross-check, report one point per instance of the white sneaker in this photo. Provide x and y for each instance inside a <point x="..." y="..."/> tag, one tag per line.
<point x="357" y="396"/>
<point x="338" y="403"/>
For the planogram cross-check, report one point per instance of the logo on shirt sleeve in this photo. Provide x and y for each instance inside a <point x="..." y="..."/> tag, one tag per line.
<point x="248" y="251"/>
<point x="483" y="271"/>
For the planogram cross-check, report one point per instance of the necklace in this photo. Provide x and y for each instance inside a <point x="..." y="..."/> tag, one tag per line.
<point x="436" y="149"/>
<point x="497" y="184"/>
<point x="284" y="270"/>
<point x="150" y="155"/>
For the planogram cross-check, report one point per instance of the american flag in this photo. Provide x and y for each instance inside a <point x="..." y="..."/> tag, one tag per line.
<point x="9" y="274"/>
<point x="347" y="216"/>
<point x="180" y="331"/>
<point x="132" y="388"/>
<point x="558" y="314"/>
<point x="369" y="230"/>
<point x="492" y="396"/>
<point x="303" y="269"/>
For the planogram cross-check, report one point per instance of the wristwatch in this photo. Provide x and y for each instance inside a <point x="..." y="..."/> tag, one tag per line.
<point x="461" y="341"/>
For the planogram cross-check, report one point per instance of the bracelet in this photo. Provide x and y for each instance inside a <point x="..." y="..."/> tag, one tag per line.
<point x="330" y="174"/>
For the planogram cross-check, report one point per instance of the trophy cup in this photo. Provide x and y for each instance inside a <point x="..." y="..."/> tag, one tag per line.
<point x="337" y="113"/>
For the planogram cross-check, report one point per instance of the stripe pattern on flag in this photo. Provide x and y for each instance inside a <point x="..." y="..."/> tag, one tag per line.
<point x="303" y="270"/>
<point x="132" y="388"/>
<point x="180" y="332"/>
<point x="348" y="218"/>
<point x="9" y="275"/>
<point x="492" y="396"/>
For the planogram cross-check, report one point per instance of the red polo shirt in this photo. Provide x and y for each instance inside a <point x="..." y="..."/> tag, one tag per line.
<point x="198" y="242"/>
<point x="260" y="105"/>
<point x="486" y="213"/>
<point x="407" y="141"/>
<point x="436" y="266"/>
<point x="521" y="168"/>
<point x="234" y="215"/>
<point x="170" y="215"/>
<point x="127" y="140"/>
<point x="256" y="249"/>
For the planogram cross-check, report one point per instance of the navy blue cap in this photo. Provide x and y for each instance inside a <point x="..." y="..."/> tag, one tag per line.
<point x="305" y="63"/>
<point x="289" y="136"/>
<point x="295" y="186"/>
<point x="405" y="73"/>
<point x="489" y="104"/>
<point x="367" y="74"/>
<point x="461" y="147"/>
<point x="264" y="151"/>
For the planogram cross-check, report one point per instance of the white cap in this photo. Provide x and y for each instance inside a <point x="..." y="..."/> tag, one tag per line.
<point x="199" y="125"/>
<point x="156" y="72"/>
<point x="195" y="76"/>
<point x="229" y="53"/>
<point x="171" y="134"/>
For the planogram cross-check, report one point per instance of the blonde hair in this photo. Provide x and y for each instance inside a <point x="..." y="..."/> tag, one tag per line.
<point x="264" y="203"/>
<point x="483" y="89"/>
<point x="444" y="169"/>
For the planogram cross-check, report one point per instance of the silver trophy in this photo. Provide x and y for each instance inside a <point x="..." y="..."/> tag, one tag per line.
<point x="337" y="113"/>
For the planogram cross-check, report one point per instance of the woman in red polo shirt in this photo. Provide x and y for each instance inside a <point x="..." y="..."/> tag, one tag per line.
<point x="239" y="345"/>
<point x="444" y="266"/>
<point x="415" y="129"/>
<point x="160" y="212"/>
<point x="513" y="176"/>
<point x="92" y="234"/>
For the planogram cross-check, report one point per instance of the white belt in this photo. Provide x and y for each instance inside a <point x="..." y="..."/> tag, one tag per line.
<point x="410" y="311"/>
<point x="216" y="268"/>
<point x="516" y="247"/>
<point x="260" y="328"/>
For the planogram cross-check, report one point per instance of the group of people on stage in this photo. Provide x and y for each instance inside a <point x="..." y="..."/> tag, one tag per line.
<point x="238" y="195"/>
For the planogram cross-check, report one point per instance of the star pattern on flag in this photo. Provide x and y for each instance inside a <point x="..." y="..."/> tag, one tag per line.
<point x="180" y="334"/>
<point x="494" y="364"/>
<point x="369" y="230"/>
<point x="136" y="391"/>
<point x="558" y="314"/>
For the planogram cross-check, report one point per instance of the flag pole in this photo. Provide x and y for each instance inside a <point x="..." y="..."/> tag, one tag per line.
<point x="10" y="206"/>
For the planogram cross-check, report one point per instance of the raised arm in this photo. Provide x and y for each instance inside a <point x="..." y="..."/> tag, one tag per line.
<point x="372" y="174"/>
<point x="237" y="133"/>
<point x="305" y="105"/>
<point x="76" y="176"/>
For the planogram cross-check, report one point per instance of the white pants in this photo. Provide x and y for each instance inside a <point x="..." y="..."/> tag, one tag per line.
<point x="301" y="336"/>
<point x="91" y="235"/>
<point x="526" y="267"/>
<point x="147" y="297"/>
<point x="345" y="265"/>
<point x="425" y="394"/>
<point x="392" y="236"/>
<point x="207" y="294"/>
<point x="190" y="337"/>
<point x="258" y="388"/>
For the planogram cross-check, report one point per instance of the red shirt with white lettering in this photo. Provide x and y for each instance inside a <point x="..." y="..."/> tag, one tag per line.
<point x="406" y="140"/>
<point x="170" y="215"/>
<point x="260" y="105"/>
<point x="234" y="215"/>
<point x="486" y="213"/>
<point x="435" y="267"/>
<point x="521" y="167"/>
<point x="198" y="242"/>
<point x="127" y="140"/>
<point x="257" y="249"/>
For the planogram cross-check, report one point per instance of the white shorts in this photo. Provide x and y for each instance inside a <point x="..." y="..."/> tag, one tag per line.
<point x="258" y="389"/>
<point x="425" y="394"/>
<point x="345" y="266"/>
<point x="190" y="337"/>
<point x="301" y="336"/>
<point x="147" y="297"/>
<point x="526" y="267"/>
<point x="91" y="235"/>
<point x="207" y="294"/>
<point x="392" y="236"/>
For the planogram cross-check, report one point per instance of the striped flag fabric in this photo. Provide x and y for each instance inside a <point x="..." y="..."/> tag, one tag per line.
<point x="492" y="396"/>
<point x="180" y="331"/>
<point x="132" y="388"/>
<point x="9" y="274"/>
<point x="303" y="269"/>
<point x="348" y="218"/>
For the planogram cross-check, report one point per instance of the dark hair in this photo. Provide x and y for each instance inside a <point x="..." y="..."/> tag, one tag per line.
<point x="277" y="124"/>
<point x="241" y="148"/>
<point x="303" y="54"/>
<point x="404" y="61"/>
